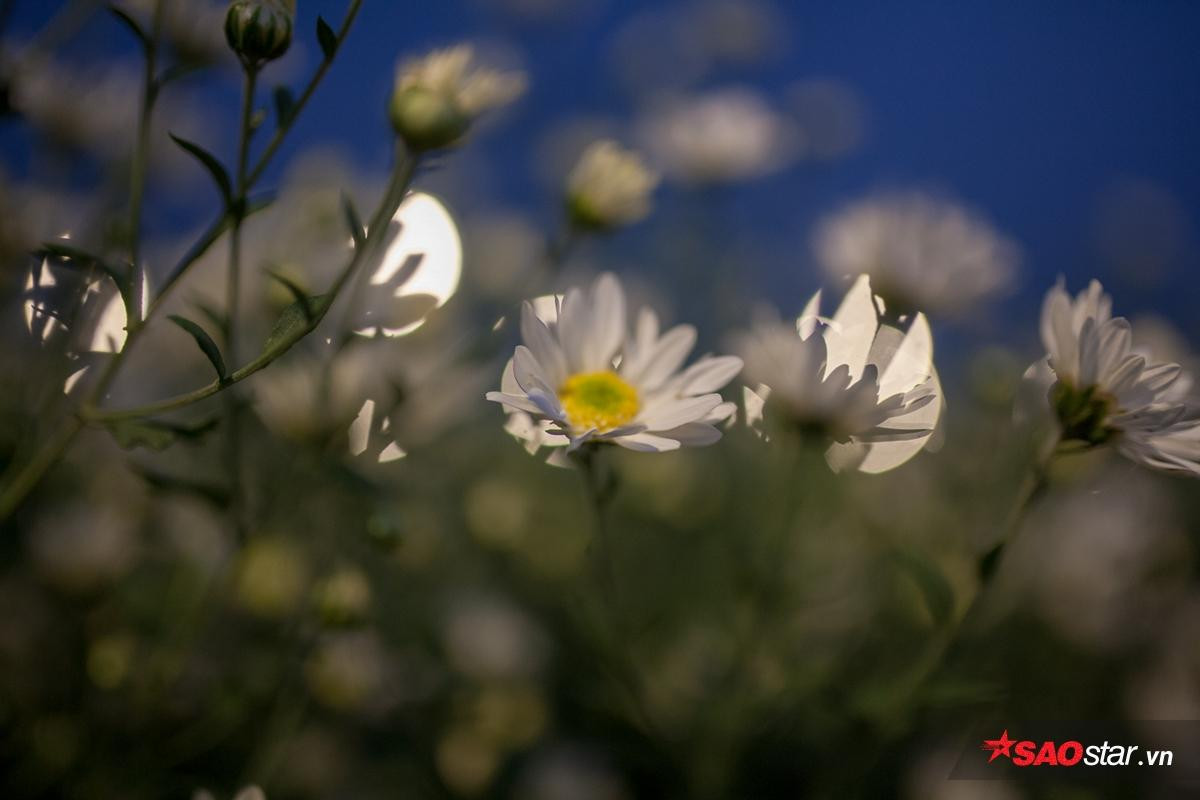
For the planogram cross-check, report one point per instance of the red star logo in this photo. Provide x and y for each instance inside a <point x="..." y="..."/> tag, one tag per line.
<point x="999" y="747"/>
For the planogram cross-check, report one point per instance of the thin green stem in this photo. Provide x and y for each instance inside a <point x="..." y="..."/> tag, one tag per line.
<point x="24" y="479"/>
<point x="940" y="649"/>
<point x="233" y="446"/>
<point x="141" y="151"/>
<point x="22" y="483"/>
<point x="281" y="132"/>
<point x="320" y="308"/>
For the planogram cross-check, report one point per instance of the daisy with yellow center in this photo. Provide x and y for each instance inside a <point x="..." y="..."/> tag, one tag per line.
<point x="582" y="377"/>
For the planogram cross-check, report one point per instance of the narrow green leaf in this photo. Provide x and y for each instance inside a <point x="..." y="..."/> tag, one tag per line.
<point x="294" y="322"/>
<point x="353" y="221"/>
<point x="155" y="434"/>
<point x="209" y="161"/>
<point x="205" y="342"/>
<point x="214" y="315"/>
<point x="132" y="25"/>
<point x="285" y="106"/>
<point x="133" y="433"/>
<point x="327" y="38"/>
<point x="299" y="295"/>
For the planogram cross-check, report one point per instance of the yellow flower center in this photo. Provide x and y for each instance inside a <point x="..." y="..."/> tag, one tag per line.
<point x="599" y="400"/>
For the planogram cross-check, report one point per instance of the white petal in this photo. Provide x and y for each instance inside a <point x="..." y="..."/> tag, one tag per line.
<point x="647" y="443"/>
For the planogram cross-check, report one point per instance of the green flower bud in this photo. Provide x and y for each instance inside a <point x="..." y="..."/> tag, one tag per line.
<point x="426" y="120"/>
<point x="436" y="98"/>
<point x="259" y="30"/>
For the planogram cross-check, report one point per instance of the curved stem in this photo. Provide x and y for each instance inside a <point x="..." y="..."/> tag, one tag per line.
<point x="22" y="482"/>
<point x="940" y="649"/>
<point x="319" y="309"/>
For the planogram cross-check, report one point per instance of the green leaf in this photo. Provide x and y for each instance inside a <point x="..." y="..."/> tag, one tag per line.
<point x="133" y="433"/>
<point x="132" y="25"/>
<point x="155" y="434"/>
<point x="218" y="318"/>
<point x="327" y="38"/>
<point x="285" y="106"/>
<point x="293" y="324"/>
<point x="297" y="291"/>
<point x="209" y="161"/>
<point x="353" y="221"/>
<point x="206" y="344"/>
<point x="935" y="589"/>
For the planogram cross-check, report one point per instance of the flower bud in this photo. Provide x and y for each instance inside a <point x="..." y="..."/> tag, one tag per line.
<point x="259" y="30"/>
<point x="436" y="98"/>
<point x="610" y="187"/>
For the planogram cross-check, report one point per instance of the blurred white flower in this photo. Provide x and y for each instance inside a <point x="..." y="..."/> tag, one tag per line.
<point x="870" y="388"/>
<point x="193" y="29"/>
<point x="437" y="97"/>
<point x="921" y="252"/>
<point x="94" y="110"/>
<point x="609" y="187"/>
<point x="1108" y="560"/>
<point x="487" y="637"/>
<point x="581" y="378"/>
<point x="81" y="547"/>
<point x="1101" y="391"/>
<point x="248" y="793"/>
<point x="723" y="136"/>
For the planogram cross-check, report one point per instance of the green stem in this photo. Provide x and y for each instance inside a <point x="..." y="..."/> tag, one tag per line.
<point x="281" y="133"/>
<point x="320" y="308"/>
<point x="141" y="152"/>
<point x="233" y="446"/>
<point x="937" y="654"/>
<point x="21" y="483"/>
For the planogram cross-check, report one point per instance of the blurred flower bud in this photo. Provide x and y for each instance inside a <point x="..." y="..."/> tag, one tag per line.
<point x="259" y="30"/>
<point x="270" y="578"/>
<point x="609" y="187"/>
<point x="436" y="98"/>
<point x="343" y="598"/>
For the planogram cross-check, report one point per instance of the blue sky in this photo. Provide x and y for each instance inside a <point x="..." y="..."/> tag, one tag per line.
<point x="1033" y="112"/>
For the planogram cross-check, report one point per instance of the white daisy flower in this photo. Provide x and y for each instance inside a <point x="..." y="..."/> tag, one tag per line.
<point x="921" y="252"/>
<point x="1101" y="390"/>
<point x="609" y="187"/>
<point x="436" y="98"/>
<point x="870" y="389"/>
<point x="580" y="377"/>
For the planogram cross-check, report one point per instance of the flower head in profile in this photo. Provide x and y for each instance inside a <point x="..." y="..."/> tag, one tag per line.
<point x="1101" y="390"/>
<point x="868" y="389"/>
<point x="436" y="98"/>
<point x="921" y="252"/>
<point x="582" y="377"/>
<point x="609" y="187"/>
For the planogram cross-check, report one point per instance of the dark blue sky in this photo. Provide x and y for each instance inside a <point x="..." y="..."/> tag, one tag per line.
<point x="1033" y="112"/>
